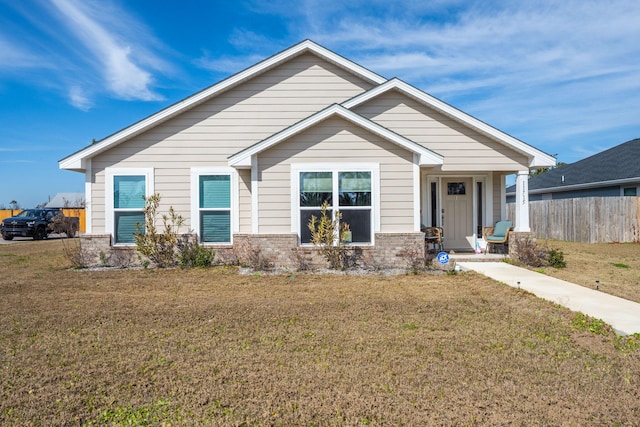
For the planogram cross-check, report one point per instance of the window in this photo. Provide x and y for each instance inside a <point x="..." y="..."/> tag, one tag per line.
<point x="629" y="191"/>
<point x="350" y="192"/>
<point x="213" y="204"/>
<point x="215" y="208"/>
<point x="480" y="208"/>
<point x="434" y="204"/>
<point x="128" y="203"/>
<point x="125" y="205"/>
<point x="456" y="188"/>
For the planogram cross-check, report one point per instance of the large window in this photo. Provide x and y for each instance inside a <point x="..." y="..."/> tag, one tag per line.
<point x="349" y="192"/>
<point x="127" y="189"/>
<point x="213" y="204"/>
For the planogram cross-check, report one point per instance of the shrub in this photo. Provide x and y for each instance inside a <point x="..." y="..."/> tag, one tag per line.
<point x="556" y="258"/>
<point x="60" y="224"/>
<point x="329" y="235"/>
<point x="530" y="254"/>
<point x="160" y="248"/>
<point x="72" y="249"/>
<point x="193" y="254"/>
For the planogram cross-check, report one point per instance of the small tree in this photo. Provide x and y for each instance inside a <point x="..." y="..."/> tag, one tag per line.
<point x="329" y="235"/>
<point x="160" y="248"/>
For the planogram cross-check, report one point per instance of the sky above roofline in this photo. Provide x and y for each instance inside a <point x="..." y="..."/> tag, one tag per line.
<point x="561" y="76"/>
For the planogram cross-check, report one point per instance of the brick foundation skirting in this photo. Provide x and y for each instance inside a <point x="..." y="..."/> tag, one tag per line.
<point x="391" y="250"/>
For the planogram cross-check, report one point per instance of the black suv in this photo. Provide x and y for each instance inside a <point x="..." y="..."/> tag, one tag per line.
<point x="38" y="223"/>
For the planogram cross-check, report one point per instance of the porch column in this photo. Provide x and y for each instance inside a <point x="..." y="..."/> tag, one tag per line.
<point x="522" y="202"/>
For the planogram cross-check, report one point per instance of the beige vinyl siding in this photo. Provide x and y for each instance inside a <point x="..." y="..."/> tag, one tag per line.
<point x="336" y="141"/>
<point x="244" y="205"/>
<point x="98" y="202"/>
<point x="463" y="149"/>
<point x="209" y="133"/>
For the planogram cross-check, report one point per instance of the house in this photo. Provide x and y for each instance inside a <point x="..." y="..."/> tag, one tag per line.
<point x="67" y="200"/>
<point x="612" y="173"/>
<point x="253" y="157"/>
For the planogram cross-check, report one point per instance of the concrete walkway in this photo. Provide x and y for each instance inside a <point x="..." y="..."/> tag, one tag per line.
<point x="623" y="315"/>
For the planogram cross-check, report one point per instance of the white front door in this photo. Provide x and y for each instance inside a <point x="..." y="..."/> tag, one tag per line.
<point x="457" y="212"/>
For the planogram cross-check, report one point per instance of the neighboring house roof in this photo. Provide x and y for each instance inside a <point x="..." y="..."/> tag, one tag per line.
<point x="427" y="157"/>
<point x="615" y="166"/>
<point x="538" y="158"/>
<point x="67" y="200"/>
<point x="76" y="161"/>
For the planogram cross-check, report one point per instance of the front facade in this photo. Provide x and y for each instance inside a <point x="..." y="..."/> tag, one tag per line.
<point x="254" y="157"/>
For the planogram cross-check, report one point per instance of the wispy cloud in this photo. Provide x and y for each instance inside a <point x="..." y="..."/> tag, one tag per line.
<point x="17" y="161"/>
<point x="572" y="67"/>
<point x="251" y="44"/>
<point x="85" y="49"/>
<point x="79" y="99"/>
<point x="125" y="77"/>
<point x="16" y="57"/>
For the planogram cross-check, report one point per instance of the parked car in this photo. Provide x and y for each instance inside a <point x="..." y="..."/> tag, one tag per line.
<point x="39" y="223"/>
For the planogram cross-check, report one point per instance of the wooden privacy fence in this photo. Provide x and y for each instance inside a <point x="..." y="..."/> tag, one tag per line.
<point x="79" y="212"/>
<point x="586" y="220"/>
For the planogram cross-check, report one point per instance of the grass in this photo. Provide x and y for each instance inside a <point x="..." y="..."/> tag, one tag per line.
<point x="616" y="266"/>
<point x="212" y="347"/>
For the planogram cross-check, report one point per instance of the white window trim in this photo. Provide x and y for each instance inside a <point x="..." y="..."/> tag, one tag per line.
<point x="110" y="173"/>
<point x="195" y="200"/>
<point x="334" y="168"/>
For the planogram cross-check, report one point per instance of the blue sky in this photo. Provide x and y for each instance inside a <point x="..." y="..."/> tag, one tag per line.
<point x="563" y="76"/>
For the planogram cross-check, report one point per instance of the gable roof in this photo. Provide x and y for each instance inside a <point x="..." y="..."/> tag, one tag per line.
<point x="242" y="159"/>
<point x="614" y="166"/>
<point x="536" y="157"/>
<point x="77" y="160"/>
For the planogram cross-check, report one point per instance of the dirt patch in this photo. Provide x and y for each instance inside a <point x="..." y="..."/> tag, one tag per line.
<point x="213" y="347"/>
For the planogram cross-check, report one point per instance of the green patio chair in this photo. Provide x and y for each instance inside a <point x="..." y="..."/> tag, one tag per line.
<point x="498" y="235"/>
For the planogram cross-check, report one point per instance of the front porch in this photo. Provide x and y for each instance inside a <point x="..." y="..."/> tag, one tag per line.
<point x="461" y="204"/>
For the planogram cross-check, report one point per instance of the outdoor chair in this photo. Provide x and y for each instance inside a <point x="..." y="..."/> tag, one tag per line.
<point x="498" y="235"/>
<point x="435" y="237"/>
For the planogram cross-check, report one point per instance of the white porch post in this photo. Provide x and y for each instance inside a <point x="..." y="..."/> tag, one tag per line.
<point x="522" y="202"/>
